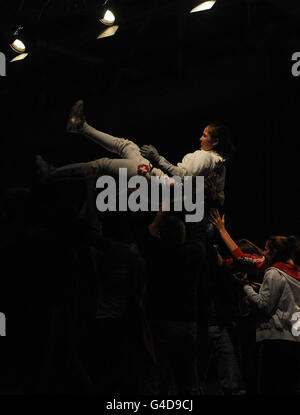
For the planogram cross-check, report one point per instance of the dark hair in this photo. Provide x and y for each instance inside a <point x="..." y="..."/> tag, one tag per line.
<point x="118" y="226"/>
<point x="249" y="248"/>
<point x="225" y="146"/>
<point x="283" y="248"/>
<point x="172" y="230"/>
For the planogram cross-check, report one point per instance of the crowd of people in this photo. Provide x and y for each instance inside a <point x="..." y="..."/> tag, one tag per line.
<point x="116" y="303"/>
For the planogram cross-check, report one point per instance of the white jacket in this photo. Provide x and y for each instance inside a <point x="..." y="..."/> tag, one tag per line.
<point x="199" y="163"/>
<point x="278" y="302"/>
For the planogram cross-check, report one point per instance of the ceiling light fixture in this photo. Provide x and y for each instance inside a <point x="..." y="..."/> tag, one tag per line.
<point x="109" y="31"/>
<point x="19" y="57"/>
<point x="204" y="5"/>
<point x="18" y="43"/>
<point x="108" y="18"/>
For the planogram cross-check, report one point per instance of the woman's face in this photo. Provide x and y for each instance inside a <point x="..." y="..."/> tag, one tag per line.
<point x="207" y="141"/>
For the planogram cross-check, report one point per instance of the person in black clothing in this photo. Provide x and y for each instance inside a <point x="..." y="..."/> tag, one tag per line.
<point x="117" y="335"/>
<point x="174" y="271"/>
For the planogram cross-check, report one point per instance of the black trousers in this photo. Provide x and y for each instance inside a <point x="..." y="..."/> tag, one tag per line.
<point x="278" y="367"/>
<point x="111" y="349"/>
<point x="176" y="352"/>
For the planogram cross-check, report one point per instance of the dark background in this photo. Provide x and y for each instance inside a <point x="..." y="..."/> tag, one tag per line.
<point x="162" y="77"/>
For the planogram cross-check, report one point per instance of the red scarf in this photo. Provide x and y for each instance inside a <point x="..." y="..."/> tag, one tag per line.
<point x="291" y="270"/>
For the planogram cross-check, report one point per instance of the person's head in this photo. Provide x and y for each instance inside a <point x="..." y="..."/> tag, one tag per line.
<point x="249" y="247"/>
<point x="172" y="230"/>
<point x="216" y="137"/>
<point x="121" y="226"/>
<point x="283" y="249"/>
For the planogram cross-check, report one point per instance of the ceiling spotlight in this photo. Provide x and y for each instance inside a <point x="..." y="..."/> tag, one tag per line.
<point x="108" y="18"/>
<point x="17" y="44"/>
<point x="19" y="57"/>
<point x="109" y="31"/>
<point x="204" y="5"/>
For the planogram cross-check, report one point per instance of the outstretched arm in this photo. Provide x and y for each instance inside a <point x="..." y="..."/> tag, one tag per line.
<point x="219" y="223"/>
<point x="257" y="260"/>
<point x="151" y="154"/>
<point x="269" y="292"/>
<point x="220" y="259"/>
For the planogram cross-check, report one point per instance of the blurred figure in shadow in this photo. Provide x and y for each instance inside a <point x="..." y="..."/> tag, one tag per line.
<point x="117" y="340"/>
<point x="217" y="314"/>
<point x="51" y="260"/>
<point x="237" y="366"/>
<point x="13" y="223"/>
<point x="174" y="271"/>
<point x="247" y="311"/>
<point x="120" y="286"/>
<point x="218" y="340"/>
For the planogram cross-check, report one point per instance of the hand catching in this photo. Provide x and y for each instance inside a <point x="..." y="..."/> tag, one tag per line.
<point x="150" y="153"/>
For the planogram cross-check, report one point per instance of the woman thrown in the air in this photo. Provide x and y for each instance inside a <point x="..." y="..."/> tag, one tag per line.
<point x="215" y="150"/>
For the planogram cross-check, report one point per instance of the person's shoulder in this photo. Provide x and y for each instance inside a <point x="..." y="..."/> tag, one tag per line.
<point x="216" y="156"/>
<point x="203" y="154"/>
<point x="274" y="274"/>
<point x="209" y="155"/>
<point x="188" y="155"/>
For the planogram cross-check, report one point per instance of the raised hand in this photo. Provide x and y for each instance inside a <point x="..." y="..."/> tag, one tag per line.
<point x="215" y="219"/>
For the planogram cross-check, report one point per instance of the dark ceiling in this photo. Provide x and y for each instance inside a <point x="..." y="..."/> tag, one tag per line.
<point x="158" y="41"/>
<point x="160" y="79"/>
<point x="149" y="30"/>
